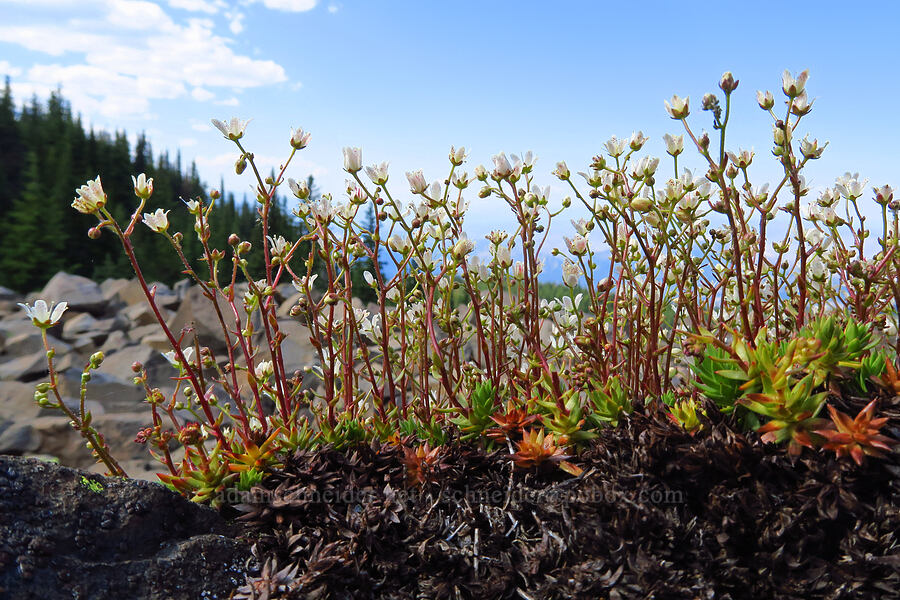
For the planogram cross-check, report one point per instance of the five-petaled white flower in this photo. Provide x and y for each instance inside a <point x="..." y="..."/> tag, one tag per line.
<point x="679" y="108"/>
<point x="616" y="147"/>
<point x="793" y="86"/>
<point x="158" y="221"/>
<point x="571" y="273"/>
<point x="578" y="245"/>
<point x="562" y="170"/>
<point x="299" y="139"/>
<point x="850" y="186"/>
<point x="173" y="358"/>
<point x="378" y="173"/>
<point x="637" y="140"/>
<point x="233" y="130"/>
<point x="765" y="99"/>
<point x="263" y="370"/>
<point x="502" y="168"/>
<point x="279" y="245"/>
<point x="91" y="197"/>
<point x="352" y="159"/>
<point x="674" y="144"/>
<point x="457" y="156"/>
<point x="44" y="316"/>
<point x="143" y="187"/>
<point x="417" y="183"/>
<point x="462" y="247"/>
<point x="811" y="149"/>
<point x="300" y="189"/>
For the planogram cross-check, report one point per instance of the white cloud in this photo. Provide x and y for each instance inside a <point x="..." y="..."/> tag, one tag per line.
<point x="236" y="23"/>
<point x="8" y="69"/>
<point x="296" y="85"/>
<point x="229" y="102"/>
<point x="290" y="5"/>
<point x="201" y="95"/>
<point x="133" y="52"/>
<point x="187" y="142"/>
<point x="333" y="8"/>
<point x="198" y="5"/>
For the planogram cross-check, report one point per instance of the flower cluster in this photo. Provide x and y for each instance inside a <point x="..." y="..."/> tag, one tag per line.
<point x="666" y="277"/>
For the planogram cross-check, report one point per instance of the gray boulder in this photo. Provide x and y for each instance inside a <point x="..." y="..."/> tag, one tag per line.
<point x="82" y="294"/>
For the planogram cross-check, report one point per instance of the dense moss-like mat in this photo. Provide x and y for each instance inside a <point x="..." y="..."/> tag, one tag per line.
<point x="658" y="513"/>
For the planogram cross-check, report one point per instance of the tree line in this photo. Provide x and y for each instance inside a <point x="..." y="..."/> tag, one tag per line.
<point x="46" y="153"/>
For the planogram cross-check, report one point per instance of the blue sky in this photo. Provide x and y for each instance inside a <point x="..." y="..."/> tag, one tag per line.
<point x="406" y="80"/>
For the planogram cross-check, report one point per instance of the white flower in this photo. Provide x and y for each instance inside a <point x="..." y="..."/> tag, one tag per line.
<point x="462" y="247"/>
<point x="813" y="236"/>
<point x="850" y="186"/>
<point x="679" y="108"/>
<point x="637" y="140"/>
<point x="571" y="273"/>
<point x="816" y="267"/>
<point x="299" y="138"/>
<point x="398" y="243"/>
<point x="582" y="226"/>
<point x="502" y="168"/>
<point x="457" y="156"/>
<point x="91" y="197"/>
<point x="157" y="221"/>
<point x="299" y="189"/>
<point x="306" y="281"/>
<point x="43" y="316"/>
<point x="173" y="359"/>
<point x="370" y="279"/>
<point x="578" y="245"/>
<point x="263" y="370"/>
<point x="193" y="206"/>
<point x="792" y="86"/>
<point x="562" y="170"/>
<point x="828" y="198"/>
<point x="742" y="159"/>
<point x="460" y="180"/>
<point x="615" y="146"/>
<point x="519" y="270"/>
<point x="765" y="99"/>
<point x="435" y="192"/>
<point x="352" y="159"/>
<point x="417" y="183"/>
<point x="233" y="130"/>
<point x="802" y="104"/>
<point x="378" y="173"/>
<point x="143" y="187"/>
<point x="502" y="256"/>
<point x="323" y="209"/>
<point x="884" y="194"/>
<point x="279" y="245"/>
<point x="356" y="193"/>
<point x="674" y="144"/>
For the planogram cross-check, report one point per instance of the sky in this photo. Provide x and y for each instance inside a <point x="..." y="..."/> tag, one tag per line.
<point x="407" y="80"/>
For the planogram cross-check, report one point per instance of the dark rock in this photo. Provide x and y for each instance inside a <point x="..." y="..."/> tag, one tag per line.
<point x="31" y="342"/>
<point x="84" y="325"/>
<point x="18" y="439"/>
<point x="66" y="534"/>
<point x="25" y="368"/>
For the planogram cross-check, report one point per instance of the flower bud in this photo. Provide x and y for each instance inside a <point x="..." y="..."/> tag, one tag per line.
<point x="765" y="99"/>
<point x="641" y="204"/>
<point x="728" y="83"/>
<point x="240" y="164"/>
<point x="143" y="187"/>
